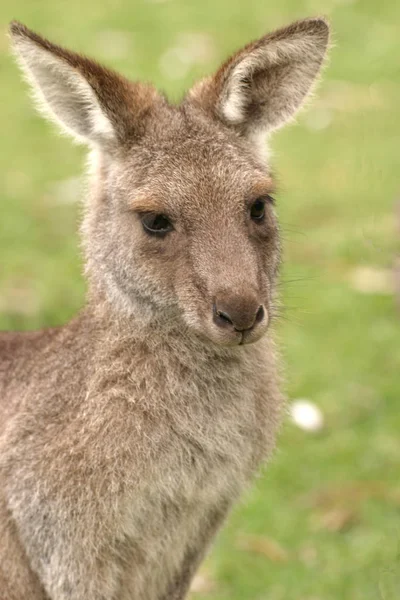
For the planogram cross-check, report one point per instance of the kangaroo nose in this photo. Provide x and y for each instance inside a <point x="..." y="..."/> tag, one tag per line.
<point x="238" y="312"/>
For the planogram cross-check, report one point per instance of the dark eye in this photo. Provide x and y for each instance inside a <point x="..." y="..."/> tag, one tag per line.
<point x="257" y="210"/>
<point x="156" y="224"/>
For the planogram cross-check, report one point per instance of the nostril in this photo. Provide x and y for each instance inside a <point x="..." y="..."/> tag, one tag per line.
<point x="260" y="314"/>
<point x="221" y="315"/>
<point x="224" y="316"/>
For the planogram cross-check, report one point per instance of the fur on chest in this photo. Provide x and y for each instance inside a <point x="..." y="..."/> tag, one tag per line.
<point x="191" y="416"/>
<point x="204" y="435"/>
<point x="199" y="474"/>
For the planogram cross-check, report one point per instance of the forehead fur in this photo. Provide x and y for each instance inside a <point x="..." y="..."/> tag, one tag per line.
<point x="183" y="155"/>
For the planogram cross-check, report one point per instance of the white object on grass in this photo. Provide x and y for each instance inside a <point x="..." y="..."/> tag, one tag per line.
<point x="306" y="415"/>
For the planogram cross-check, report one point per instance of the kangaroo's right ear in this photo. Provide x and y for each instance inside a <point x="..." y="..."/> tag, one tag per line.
<point x="90" y="102"/>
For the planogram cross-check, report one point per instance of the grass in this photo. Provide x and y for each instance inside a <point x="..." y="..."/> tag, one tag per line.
<point x="322" y="523"/>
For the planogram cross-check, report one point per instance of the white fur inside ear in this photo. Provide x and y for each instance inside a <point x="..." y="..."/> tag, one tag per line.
<point x="237" y="92"/>
<point x="276" y="77"/>
<point x="238" y="89"/>
<point x="62" y="93"/>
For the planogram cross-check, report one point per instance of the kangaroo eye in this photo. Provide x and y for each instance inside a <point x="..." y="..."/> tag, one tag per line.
<point x="257" y="210"/>
<point x="156" y="224"/>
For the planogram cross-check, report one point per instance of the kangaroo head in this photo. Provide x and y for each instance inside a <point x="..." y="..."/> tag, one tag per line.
<point x="181" y="221"/>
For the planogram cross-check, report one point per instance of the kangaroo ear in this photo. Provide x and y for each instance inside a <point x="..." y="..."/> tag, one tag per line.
<point x="90" y="102"/>
<point x="263" y="85"/>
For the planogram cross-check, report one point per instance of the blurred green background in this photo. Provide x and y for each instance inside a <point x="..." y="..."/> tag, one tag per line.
<point x="323" y="522"/>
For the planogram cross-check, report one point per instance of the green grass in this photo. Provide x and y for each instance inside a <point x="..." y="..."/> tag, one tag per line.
<point x="339" y="167"/>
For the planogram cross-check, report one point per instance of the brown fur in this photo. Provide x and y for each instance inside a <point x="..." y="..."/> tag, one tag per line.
<point x="127" y="434"/>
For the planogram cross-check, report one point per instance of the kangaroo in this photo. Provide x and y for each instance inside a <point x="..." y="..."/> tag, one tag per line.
<point x="127" y="434"/>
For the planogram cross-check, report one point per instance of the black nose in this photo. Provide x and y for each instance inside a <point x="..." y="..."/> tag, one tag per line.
<point x="238" y="312"/>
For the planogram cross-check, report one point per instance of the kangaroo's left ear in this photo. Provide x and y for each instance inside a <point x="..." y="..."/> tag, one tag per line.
<point x="263" y="85"/>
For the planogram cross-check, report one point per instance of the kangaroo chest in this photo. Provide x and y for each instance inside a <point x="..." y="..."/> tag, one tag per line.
<point x="207" y="443"/>
<point x="139" y="472"/>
